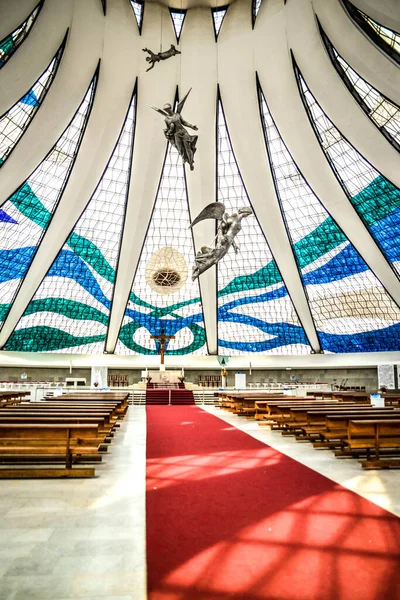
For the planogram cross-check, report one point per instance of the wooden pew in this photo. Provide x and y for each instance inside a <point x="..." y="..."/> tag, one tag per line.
<point x="52" y="419"/>
<point x="334" y="430"/>
<point x="353" y="396"/>
<point x="307" y="420"/>
<point x="328" y="429"/>
<point x="245" y="404"/>
<point x="121" y="400"/>
<point x="62" y="411"/>
<point x="11" y="397"/>
<point x="41" y="439"/>
<point x="105" y="431"/>
<point x="232" y="400"/>
<point x="391" y="399"/>
<point x="375" y="435"/>
<point x="281" y="410"/>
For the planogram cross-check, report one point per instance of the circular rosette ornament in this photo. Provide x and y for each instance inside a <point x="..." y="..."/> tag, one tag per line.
<point x="166" y="271"/>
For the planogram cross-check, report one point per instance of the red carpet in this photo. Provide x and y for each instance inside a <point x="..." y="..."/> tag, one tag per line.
<point x="229" y="517"/>
<point x="177" y="395"/>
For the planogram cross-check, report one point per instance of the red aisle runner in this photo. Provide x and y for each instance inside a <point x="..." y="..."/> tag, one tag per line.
<point x="229" y="517"/>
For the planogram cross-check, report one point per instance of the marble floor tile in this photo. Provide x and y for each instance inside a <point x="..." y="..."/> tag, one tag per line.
<point x="82" y="538"/>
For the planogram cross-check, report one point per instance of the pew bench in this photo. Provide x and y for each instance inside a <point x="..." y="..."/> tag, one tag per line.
<point x="121" y="400"/>
<point x="268" y="408"/>
<point x="280" y="416"/>
<point x="315" y="420"/>
<point x="40" y="440"/>
<point x="375" y="435"/>
<point x="61" y="412"/>
<point x="335" y="428"/>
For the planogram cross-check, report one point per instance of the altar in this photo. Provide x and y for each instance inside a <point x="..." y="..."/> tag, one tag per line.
<point x="165" y="377"/>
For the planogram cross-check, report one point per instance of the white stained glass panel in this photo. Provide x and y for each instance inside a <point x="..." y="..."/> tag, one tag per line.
<point x="177" y="19"/>
<point x="256" y="7"/>
<point x="249" y="283"/>
<point x="138" y="10"/>
<point x="168" y="252"/>
<point x="218" y="16"/>
<point x="384" y="113"/>
<point x="29" y="210"/>
<point x="390" y="37"/>
<point x="15" y="122"/>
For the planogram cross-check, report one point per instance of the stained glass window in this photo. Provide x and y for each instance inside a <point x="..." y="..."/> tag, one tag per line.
<point x="350" y="307"/>
<point x="178" y="17"/>
<point x="164" y="298"/>
<point x="16" y="120"/>
<point x="29" y="210"/>
<point x="218" y="17"/>
<point x="376" y="200"/>
<point x="138" y="8"/>
<point x="70" y="310"/>
<point x="384" y="113"/>
<point x="255" y="8"/>
<point x="255" y="312"/>
<point x="11" y="42"/>
<point x="387" y="39"/>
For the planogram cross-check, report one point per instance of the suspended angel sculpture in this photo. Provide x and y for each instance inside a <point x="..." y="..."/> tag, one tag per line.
<point x="228" y="228"/>
<point x="176" y="133"/>
<point x="153" y="57"/>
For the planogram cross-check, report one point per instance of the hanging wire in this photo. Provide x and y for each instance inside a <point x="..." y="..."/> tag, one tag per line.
<point x="180" y="56"/>
<point x="161" y="25"/>
<point x="216" y="41"/>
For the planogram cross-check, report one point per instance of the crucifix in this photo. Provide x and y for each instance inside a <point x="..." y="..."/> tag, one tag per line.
<point x="163" y="340"/>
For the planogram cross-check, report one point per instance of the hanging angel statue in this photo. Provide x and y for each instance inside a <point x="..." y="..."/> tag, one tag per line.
<point x="176" y="133"/>
<point x="228" y="228"/>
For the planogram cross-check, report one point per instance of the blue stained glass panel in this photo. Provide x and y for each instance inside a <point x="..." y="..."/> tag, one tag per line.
<point x="376" y="200"/>
<point x="70" y="310"/>
<point x="348" y="303"/>
<point x="33" y="204"/>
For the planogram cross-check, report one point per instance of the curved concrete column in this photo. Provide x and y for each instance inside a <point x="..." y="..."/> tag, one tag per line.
<point x="356" y="48"/>
<point x="199" y="71"/>
<point x="155" y="88"/>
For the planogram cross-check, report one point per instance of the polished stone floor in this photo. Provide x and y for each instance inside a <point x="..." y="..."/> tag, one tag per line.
<point x="82" y="538"/>
<point x="86" y="538"/>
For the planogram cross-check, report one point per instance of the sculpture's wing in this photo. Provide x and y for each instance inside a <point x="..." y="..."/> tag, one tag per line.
<point x="160" y="110"/>
<point x="215" y="210"/>
<point x="182" y="102"/>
